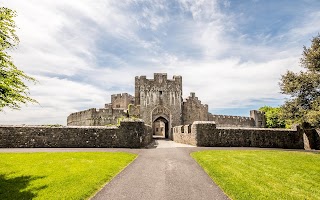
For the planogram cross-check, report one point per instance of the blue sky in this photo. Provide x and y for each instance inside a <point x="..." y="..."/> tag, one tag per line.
<point x="231" y="53"/>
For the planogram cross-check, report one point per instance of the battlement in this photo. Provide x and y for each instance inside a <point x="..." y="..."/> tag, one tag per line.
<point x="193" y="98"/>
<point x="121" y="100"/>
<point x="158" y="78"/>
<point x="161" y="92"/>
<point x="102" y="116"/>
<point x="194" y="110"/>
<point x="241" y="118"/>
<point x="256" y="119"/>
<point x="95" y="117"/>
<point x="120" y="96"/>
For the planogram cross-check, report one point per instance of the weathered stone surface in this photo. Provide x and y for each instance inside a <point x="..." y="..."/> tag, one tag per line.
<point x="258" y="118"/>
<point x="194" y="110"/>
<point x="159" y="97"/>
<point x="231" y="121"/>
<point x="184" y="135"/>
<point x="95" y="117"/>
<point x="121" y="100"/>
<point x="207" y="134"/>
<point x="156" y="99"/>
<point x="130" y="134"/>
<point x="103" y="116"/>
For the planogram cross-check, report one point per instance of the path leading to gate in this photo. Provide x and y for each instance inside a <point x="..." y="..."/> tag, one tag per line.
<point x="165" y="171"/>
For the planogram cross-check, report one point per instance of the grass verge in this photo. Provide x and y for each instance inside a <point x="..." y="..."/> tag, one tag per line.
<point x="263" y="174"/>
<point x="58" y="175"/>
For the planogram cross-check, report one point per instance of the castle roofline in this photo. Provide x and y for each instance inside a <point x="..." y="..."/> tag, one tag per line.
<point x="157" y="76"/>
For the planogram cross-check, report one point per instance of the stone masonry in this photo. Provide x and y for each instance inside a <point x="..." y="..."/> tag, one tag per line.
<point x="103" y="116"/>
<point x="130" y="134"/>
<point x="159" y="102"/>
<point x="207" y="134"/>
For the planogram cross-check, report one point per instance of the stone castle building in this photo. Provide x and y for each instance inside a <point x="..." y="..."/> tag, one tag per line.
<point x="159" y="102"/>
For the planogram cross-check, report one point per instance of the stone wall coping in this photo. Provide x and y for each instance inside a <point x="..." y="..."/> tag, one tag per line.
<point x="132" y="120"/>
<point x="57" y="127"/>
<point x="204" y="122"/>
<point x="251" y="128"/>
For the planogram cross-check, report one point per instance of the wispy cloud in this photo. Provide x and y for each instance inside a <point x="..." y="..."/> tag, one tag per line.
<point x="232" y="55"/>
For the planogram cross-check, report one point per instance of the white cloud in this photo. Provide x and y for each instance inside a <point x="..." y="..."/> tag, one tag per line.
<point x="83" y="51"/>
<point x="309" y="25"/>
<point x="57" y="99"/>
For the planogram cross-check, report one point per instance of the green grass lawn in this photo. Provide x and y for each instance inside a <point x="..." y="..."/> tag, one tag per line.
<point x="263" y="174"/>
<point x="58" y="175"/>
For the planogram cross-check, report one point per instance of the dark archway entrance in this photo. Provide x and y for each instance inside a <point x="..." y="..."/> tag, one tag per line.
<point x="161" y="127"/>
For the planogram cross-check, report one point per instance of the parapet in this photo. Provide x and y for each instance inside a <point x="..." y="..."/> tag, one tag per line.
<point x="159" y="78"/>
<point x="121" y="100"/>
<point x="231" y="117"/>
<point x="193" y="98"/>
<point x="120" y="96"/>
<point x="256" y="119"/>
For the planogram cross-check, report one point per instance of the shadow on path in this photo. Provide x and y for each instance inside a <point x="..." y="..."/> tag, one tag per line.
<point x="15" y="188"/>
<point x="155" y="143"/>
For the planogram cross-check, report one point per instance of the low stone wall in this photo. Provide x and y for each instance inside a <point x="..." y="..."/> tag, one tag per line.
<point x="183" y="134"/>
<point x="311" y="138"/>
<point x="130" y="134"/>
<point x="208" y="135"/>
<point x="147" y="136"/>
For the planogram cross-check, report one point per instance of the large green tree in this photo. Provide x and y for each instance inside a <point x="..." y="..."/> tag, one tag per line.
<point x="273" y="117"/>
<point x="304" y="88"/>
<point x="13" y="90"/>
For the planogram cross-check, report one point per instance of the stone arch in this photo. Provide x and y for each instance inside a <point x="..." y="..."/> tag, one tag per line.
<point x="161" y="118"/>
<point x="160" y="111"/>
<point x="161" y="127"/>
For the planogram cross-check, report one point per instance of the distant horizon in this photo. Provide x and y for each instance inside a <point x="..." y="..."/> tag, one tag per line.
<point x="231" y="54"/>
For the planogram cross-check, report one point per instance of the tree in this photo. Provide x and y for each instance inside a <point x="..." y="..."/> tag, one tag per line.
<point x="273" y="117"/>
<point x="304" y="88"/>
<point x="13" y="90"/>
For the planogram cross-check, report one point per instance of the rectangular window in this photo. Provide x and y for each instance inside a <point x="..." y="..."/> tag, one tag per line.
<point x="161" y="129"/>
<point x="157" y="129"/>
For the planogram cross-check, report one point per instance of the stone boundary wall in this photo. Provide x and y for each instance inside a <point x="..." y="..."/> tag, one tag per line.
<point x="208" y="135"/>
<point x="130" y="134"/>
<point x="184" y="134"/>
<point x="231" y="121"/>
<point x="95" y="117"/>
<point x="311" y="138"/>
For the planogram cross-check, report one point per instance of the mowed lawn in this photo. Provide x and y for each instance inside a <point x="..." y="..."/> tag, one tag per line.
<point x="263" y="174"/>
<point x="58" y="175"/>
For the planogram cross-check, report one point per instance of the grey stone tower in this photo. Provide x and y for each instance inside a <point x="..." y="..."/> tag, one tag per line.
<point x="160" y="99"/>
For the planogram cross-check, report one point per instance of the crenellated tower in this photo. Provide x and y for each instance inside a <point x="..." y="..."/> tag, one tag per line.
<point x="194" y="110"/>
<point x="159" y="98"/>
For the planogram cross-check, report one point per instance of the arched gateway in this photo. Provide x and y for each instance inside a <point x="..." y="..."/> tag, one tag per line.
<point x="161" y="125"/>
<point x="159" y="101"/>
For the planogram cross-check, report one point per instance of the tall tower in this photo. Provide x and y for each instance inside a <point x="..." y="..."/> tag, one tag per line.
<point x="160" y="99"/>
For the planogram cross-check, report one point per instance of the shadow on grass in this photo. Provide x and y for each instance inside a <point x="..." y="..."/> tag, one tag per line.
<point x="15" y="188"/>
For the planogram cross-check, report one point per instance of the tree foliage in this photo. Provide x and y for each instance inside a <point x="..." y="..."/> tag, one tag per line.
<point x="13" y="90"/>
<point x="274" y="117"/>
<point x="304" y="88"/>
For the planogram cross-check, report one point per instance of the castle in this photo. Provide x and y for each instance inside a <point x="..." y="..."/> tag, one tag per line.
<point x="159" y="102"/>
